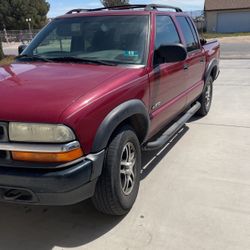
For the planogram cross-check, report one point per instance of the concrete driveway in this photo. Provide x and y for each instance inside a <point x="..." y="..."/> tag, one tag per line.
<point x="235" y="47"/>
<point x="195" y="194"/>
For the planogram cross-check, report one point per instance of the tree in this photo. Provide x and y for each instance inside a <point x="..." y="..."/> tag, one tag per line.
<point x="1" y="50"/>
<point x="13" y="13"/>
<point x="110" y="3"/>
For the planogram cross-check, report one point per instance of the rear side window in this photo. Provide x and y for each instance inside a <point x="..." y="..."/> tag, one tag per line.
<point x="190" y="37"/>
<point x="166" y="32"/>
<point x="193" y="30"/>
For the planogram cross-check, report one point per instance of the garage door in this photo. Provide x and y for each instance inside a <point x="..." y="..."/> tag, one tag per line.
<point x="234" y="22"/>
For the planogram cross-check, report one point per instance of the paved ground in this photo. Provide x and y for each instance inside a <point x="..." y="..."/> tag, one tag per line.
<point x="235" y="47"/>
<point x="194" y="196"/>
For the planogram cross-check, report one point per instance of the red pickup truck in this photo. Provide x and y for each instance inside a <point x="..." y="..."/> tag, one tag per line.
<point x="93" y="89"/>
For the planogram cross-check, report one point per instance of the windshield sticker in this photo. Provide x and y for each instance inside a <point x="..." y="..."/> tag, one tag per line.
<point x="131" y="53"/>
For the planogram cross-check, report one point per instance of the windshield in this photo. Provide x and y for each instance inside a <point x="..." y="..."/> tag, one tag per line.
<point x="114" y="39"/>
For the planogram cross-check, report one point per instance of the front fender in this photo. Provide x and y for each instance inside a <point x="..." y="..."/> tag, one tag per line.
<point x="115" y="118"/>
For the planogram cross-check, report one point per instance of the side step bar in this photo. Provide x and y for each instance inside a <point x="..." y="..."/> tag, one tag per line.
<point x="166" y="136"/>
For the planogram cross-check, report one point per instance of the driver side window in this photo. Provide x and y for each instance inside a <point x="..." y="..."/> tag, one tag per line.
<point x="53" y="43"/>
<point x="166" y="33"/>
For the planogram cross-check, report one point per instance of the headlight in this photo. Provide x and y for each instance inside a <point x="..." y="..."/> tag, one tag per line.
<point x="36" y="132"/>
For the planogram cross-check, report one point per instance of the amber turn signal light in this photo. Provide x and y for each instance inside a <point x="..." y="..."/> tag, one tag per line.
<point x="48" y="157"/>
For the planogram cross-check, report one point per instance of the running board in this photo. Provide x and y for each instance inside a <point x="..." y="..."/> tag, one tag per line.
<point x="168" y="134"/>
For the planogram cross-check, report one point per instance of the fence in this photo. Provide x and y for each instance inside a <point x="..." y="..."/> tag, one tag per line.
<point x="200" y="25"/>
<point x="199" y="20"/>
<point x="23" y="36"/>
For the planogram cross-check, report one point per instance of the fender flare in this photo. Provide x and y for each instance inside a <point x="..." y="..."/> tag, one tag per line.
<point x="115" y="118"/>
<point x="210" y="67"/>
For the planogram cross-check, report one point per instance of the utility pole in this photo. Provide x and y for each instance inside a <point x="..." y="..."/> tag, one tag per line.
<point x="28" y="20"/>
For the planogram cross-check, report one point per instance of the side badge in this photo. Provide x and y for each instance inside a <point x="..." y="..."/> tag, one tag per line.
<point x="156" y="106"/>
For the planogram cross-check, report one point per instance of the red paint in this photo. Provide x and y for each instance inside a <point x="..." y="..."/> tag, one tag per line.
<point x="80" y="95"/>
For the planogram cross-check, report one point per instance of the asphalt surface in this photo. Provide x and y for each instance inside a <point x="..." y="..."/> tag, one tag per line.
<point x="194" y="195"/>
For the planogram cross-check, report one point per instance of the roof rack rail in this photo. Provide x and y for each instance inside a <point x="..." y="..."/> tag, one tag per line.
<point x="76" y="11"/>
<point x="161" y="6"/>
<point x="121" y="7"/>
<point x="146" y="7"/>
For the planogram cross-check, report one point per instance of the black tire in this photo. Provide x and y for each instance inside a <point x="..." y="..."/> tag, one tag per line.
<point x="112" y="195"/>
<point x="206" y="98"/>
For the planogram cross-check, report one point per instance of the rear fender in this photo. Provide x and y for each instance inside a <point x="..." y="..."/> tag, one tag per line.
<point x="213" y="64"/>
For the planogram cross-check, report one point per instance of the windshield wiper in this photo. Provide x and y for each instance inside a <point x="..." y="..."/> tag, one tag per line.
<point x="34" y="57"/>
<point x="82" y="60"/>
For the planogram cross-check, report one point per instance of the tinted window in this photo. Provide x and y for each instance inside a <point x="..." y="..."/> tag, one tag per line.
<point x="166" y="32"/>
<point x="191" y="42"/>
<point x="193" y="30"/>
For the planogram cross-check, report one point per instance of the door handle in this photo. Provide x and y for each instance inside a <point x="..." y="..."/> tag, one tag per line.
<point x="186" y="66"/>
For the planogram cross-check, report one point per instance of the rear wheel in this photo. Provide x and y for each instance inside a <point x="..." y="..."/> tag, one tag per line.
<point x="206" y="98"/>
<point x="118" y="186"/>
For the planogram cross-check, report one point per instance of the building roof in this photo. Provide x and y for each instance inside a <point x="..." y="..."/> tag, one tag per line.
<point x="226" y="4"/>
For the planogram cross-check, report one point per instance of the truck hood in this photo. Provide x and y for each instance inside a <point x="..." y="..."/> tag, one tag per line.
<point x="40" y="92"/>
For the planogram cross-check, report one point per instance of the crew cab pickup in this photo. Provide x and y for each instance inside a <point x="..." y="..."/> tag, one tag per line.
<point x="91" y="91"/>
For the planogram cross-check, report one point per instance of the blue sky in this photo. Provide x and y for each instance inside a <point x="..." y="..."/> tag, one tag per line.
<point x="59" y="7"/>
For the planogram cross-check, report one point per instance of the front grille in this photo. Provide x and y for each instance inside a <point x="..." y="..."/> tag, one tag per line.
<point x="4" y="138"/>
<point x="3" y="154"/>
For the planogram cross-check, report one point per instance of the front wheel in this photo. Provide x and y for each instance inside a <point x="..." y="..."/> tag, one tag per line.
<point x="206" y="98"/>
<point x="118" y="186"/>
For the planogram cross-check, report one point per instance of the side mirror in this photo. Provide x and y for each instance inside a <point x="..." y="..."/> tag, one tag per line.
<point x="21" y="48"/>
<point x="203" y="41"/>
<point x="170" y="54"/>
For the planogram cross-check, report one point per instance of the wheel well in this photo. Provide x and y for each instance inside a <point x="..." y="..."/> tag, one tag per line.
<point x="138" y="123"/>
<point x="132" y="112"/>
<point x="214" y="72"/>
